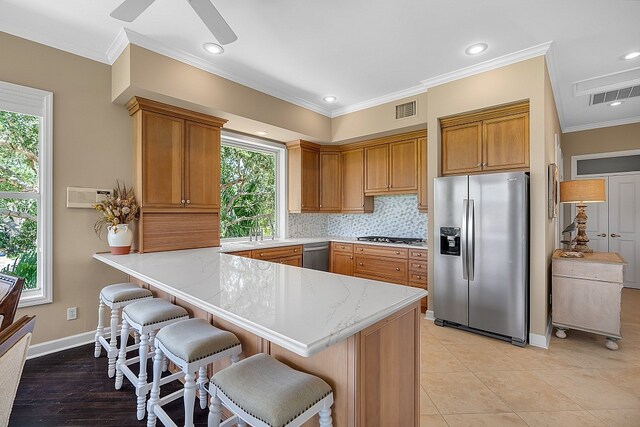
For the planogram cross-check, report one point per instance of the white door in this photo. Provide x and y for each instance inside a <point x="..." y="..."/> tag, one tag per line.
<point x="624" y="224"/>
<point x="597" y="222"/>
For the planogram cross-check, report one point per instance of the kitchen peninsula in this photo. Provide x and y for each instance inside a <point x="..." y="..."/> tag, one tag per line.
<point x="362" y="336"/>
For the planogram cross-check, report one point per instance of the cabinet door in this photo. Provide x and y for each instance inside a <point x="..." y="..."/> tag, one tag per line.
<point x="506" y="142"/>
<point x="353" y="198"/>
<point x="462" y="149"/>
<point x="295" y="261"/>
<point x="403" y="166"/>
<point x="422" y="175"/>
<point x="376" y="169"/>
<point x="330" y="182"/>
<point x="162" y="160"/>
<point x="342" y="263"/>
<point x="202" y="166"/>
<point x="310" y="180"/>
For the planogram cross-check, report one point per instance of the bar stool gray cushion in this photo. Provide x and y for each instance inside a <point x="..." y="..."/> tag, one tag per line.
<point x="122" y="292"/>
<point x="270" y="390"/>
<point x="195" y="339"/>
<point x="156" y="310"/>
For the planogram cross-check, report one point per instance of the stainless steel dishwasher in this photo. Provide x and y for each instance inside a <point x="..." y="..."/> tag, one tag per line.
<point x="316" y="256"/>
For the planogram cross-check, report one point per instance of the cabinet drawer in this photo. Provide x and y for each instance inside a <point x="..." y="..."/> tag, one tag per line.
<point x="295" y="261"/>
<point x="390" y="268"/>
<point x="342" y="247"/>
<point x="381" y="251"/>
<point x="418" y="254"/>
<point x="245" y="254"/>
<point x="418" y="266"/>
<point x="282" y="252"/>
<point x="417" y="278"/>
<point x="395" y="281"/>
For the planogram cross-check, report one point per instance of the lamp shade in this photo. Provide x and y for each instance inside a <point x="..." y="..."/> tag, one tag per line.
<point x="582" y="191"/>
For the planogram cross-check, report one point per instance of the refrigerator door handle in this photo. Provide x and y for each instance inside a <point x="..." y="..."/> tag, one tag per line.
<point x="463" y="239"/>
<point x="471" y="239"/>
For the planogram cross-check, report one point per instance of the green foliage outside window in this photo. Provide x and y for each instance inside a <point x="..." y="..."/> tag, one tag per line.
<point x="248" y="191"/>
<point x="19" y="173"/>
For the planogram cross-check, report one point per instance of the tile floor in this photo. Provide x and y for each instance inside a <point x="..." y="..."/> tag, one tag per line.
<point x="471" y="380"/>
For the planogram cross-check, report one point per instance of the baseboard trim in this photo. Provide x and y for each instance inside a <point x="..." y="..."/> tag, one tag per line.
<point x="54" y="346"/>
<point x="541" y="341"/>
<point x="429" y="315"/>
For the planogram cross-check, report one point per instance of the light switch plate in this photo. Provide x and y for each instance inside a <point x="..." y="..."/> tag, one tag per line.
<point x="78" y="197"/>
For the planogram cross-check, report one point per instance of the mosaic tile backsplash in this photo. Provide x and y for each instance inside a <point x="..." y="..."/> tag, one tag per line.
<point x="395" y="216"/>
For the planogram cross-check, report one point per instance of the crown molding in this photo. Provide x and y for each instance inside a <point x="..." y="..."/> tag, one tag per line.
<point x="492" y="64"/>
<point x="555" y="88"/>
<point x="189" y="59"/>
<point x="118" y="45"/>
<point x="590" y="126"/>
<point x="405" y="93"/>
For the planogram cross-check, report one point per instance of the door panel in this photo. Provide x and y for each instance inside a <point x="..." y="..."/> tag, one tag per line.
<point x="403" y="166"/>
<point x="506" y="142"/>
<point x="462" y="149"/>
<point x="450" y="288"/>
<point x="202" y="166"/>
<point x="310" y="180"/>
<point x="498" y="242"/>
<point x="330" y="182"/>
<point x="624" y="224"/>
<point x="376" y="169"/>
<point x="597" y="222"/>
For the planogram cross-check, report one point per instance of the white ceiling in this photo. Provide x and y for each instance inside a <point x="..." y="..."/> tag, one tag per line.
<point x="362" y="51"/>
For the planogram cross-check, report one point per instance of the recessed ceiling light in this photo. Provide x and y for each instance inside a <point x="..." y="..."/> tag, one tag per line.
<point x="475" y="49"/>
<point x="216" y="49"/>
<point x="615" y="103"/>
<point x="329" y="98"/>
<point x="631" y="55"/>
<point x="261" y="133"/>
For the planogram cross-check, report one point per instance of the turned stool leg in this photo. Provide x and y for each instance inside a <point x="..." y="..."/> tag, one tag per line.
<point x="325" y="418"/>
<point x="113" y="343"/>
<point x="122" y="357"/>
<point x="189" y="399"/>
<point x="202" y="380"/>
<point x="136" y="337"/>
<point x="215" y="412"/>
<point x="152" y="338"/>
<point x="100" y="328"/>
<point x="155" y="389"/>
<point x="141" y="392"/>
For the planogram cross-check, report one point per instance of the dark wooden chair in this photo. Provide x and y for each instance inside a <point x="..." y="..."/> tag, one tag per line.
<point x="10" y="291"/>
<point x="14" y="344"/>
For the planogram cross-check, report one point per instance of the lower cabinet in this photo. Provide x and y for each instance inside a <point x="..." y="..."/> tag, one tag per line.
<point x="290" y="255"/>
<point x="341" y="258"/>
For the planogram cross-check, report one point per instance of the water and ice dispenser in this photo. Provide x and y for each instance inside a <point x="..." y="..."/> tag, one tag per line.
<point x="450" y="241"/>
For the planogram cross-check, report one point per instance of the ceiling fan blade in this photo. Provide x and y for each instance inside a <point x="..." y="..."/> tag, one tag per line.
<point x="129" y="10"/>
<point x="214" y="21"/>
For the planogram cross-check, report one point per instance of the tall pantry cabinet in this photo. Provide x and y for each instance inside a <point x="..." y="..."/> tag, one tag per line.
<point x="176" y="176"/>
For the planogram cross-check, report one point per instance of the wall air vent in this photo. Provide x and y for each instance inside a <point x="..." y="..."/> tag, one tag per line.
<point x="408" y="109"/>
<point x="615" y="95"/>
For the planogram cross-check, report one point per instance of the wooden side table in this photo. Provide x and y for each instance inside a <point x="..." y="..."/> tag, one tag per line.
<point x="586" y="294"/>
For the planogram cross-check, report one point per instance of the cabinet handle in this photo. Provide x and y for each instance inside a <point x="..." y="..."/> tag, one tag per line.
<point x="320" y="204"/>
<point x="182" y="201"/>
<point x="188" y="201"/>
<point x="261" y="253"/>
<point x="485" y="164"/>
<point x="350" y="257"/>
<point x="397" y="268"/>
<point x="363" y="205"/>
<point x="397" y="252"/>
<point x="360" y="263"/>
<point x="602" y="235"/>
<point x="478" y="165"/>
<point x="418" y="254"/>
<point x="295" y="250"/>
<point x="342" y="247"/>
<point x="615" y="235"/>
<point x="419" y="277"/>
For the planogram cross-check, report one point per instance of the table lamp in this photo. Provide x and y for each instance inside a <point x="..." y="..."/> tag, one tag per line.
<point x="582" y="191"/>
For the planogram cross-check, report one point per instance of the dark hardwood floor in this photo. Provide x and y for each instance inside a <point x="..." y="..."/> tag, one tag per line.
<point x="72" y="388"/>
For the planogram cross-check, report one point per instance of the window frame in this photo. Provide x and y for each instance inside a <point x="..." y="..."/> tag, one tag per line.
<point x="36" y="102"/>
<point x="268" y="147"/>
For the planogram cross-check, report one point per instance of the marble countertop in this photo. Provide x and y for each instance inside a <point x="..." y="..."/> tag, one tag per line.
<point x="244" y="245"/>
<point x="299" y="309"/>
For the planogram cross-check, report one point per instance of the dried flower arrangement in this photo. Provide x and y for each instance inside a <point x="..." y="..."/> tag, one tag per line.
<point x="119" y="208"/>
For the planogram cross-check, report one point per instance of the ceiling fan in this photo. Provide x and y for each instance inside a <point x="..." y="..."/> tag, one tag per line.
<point x="129" y="10"/>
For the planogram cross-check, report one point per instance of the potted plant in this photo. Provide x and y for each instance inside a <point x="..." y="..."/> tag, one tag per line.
<point x="117" y="212"/>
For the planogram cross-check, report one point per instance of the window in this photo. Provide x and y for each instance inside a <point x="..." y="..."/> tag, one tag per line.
<point x="250" y="181"/>
<point x="25" y="189"/>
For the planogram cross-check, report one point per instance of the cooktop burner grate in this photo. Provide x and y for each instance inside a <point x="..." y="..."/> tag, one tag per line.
<point x="383" y="239"/>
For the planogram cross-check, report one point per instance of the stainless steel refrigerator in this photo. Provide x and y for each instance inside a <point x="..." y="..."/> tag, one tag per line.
<point x="481" y="260"/>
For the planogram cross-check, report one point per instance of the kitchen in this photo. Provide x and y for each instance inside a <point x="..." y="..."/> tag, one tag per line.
<point x="78" y="279"/>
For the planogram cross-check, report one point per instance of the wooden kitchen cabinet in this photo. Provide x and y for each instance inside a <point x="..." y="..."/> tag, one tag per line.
<point x="291" y="255"/>
<point x="330" y="182"/>
<point x="392" y="167"/>
<point x="353" y="198"/>
<point x="376" y="169"/>
<point x="418" y="272"/>
<point x="341" y="261"/>
<point x="304" y="176"/>
<point x="486" y="141"/>
<point x="176" y="172"/>
<point x="423" y="205"/>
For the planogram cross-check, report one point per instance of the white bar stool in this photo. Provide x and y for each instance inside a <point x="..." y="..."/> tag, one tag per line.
<point x="115" y="297"/>
<point x="146" y="318"/>
<point x="264" y="392"/>
<point x="191" y="345"/>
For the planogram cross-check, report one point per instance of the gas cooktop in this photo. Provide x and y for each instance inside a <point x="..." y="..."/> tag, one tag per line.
<point x="382" y="239"/>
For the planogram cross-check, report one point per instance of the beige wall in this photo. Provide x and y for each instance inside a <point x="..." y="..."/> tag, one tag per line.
<point x="521" y="81"/>
<point x="91" y="148"/>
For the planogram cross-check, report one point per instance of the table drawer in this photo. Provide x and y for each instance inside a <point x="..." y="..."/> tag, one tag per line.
<point x="381" y="251"/>
<point x="418" y="265"/>
<point x="281" y="252"/>
<point x="579" y="269"/>
<point x="342" y="247"/>
<point x="392" y="268"/>
<point x="418" y="254"/>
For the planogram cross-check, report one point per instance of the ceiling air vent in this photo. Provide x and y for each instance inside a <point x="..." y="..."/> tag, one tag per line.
<point x="408" y="109"/>
<point x="614" y="95"/>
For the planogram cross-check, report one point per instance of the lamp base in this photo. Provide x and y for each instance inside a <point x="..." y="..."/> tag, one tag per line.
<point x="583" y="248"/>
<point x="581" y="239"/>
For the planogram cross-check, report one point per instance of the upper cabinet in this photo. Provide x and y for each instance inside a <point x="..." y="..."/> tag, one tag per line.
<point x="353" y="198"/>
<point x="304" y="176"/>
<point x="422" y="175"/>
<point x="330" y="189"/>
<point x="490" y="140"/>
<point x="177" y="171"/>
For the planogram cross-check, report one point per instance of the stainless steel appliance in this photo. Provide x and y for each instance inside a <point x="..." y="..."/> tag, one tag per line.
<point x="383" y="239"/>
<point x="481" y="259"/>
<point x="316" y="256"/>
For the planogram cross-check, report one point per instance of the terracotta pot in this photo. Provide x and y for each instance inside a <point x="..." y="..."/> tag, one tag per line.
<point x="120" y="238"/>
